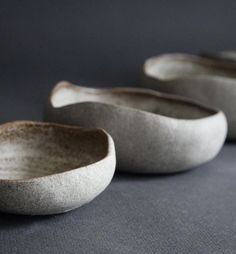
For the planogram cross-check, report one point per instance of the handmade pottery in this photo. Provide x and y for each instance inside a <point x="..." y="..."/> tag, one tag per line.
<point x="207" y="80"/>
<point x="51" y="168"/>
<point x="153" y="132"/>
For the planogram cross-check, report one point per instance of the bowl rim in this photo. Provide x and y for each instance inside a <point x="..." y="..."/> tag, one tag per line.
<point x="110" y="150"/>
<point x="212" y="111"/>
<point x="205" y="60"/>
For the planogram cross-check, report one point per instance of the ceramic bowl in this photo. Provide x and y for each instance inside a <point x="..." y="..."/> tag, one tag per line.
<point x="206" y="80"/>
<point x="50" y="168"/>
<point x="153" y="132"/>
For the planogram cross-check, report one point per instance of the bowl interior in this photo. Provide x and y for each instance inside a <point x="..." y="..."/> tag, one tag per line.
<point x="29" y="150"/>
<point x="134" y="98"/>
<point x="167" y="68"/>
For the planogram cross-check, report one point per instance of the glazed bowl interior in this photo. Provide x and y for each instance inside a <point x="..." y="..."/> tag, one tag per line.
<point x="174" y="67"/>
<point x="140" y="99"/>
<point x="30" y="150"/>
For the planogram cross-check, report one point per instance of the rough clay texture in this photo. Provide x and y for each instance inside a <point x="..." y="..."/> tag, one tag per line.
<point x="49" y="168"/>
<point x="210" y="81"/>
<point x="147" y="141"/>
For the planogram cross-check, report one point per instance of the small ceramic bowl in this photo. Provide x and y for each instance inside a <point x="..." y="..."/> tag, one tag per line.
<point x="153" y="132"/>
<point x="204" y="79"/>
<point x="50" y="168"/>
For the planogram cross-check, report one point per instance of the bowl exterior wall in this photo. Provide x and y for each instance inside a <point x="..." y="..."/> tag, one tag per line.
<point x="146" y="142"/>
<point x="217" y="92"/>
<point x="58" y="193"/>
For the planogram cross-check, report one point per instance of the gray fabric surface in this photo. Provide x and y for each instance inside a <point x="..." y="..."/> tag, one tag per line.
<point x="105" y="42"/>
<point x="192" y="212"/>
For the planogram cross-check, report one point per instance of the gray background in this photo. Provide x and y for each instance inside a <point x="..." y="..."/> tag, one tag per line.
<point x="104" y="43"/>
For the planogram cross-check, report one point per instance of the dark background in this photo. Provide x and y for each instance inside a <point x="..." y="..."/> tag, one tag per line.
<point x="105" y="43"/>
<point x="97" y="42"/>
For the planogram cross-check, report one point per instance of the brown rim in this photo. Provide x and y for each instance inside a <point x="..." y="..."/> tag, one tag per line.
<point x="27" y="123"/>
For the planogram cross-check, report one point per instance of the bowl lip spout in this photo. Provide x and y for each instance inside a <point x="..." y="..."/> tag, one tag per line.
<point x="207" y="60"/>
<point x="130" y="90"/>
<point x="110" y="149"/>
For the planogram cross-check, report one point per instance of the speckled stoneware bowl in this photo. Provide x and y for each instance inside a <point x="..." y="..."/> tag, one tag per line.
<point x="51" y="168"/>
<point x="207" y="80"/>
<point x="153" y="132"/>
